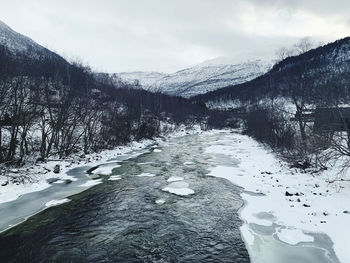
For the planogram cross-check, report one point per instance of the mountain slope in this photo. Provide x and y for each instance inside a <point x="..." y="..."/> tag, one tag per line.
<point x="20" y="44"/>
<point x="320" y="75"/>
<point x="200" y="79"/>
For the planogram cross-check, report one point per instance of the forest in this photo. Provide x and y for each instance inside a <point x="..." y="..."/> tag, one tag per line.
<point x="50" y="107"/>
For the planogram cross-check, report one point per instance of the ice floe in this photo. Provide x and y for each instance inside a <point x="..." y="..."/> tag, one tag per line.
<point x="146" y="175"/>
<point x="179" y="188"/>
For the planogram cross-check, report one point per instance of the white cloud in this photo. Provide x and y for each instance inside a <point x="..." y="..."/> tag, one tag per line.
<point x="166" y="35"/>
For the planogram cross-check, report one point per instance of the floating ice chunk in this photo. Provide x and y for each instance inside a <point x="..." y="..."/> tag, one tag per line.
<point x="91" y="183"/>
<point x="57" y="202"/>
<point x="175" y="179"/>
<point x="293" y="236"/>
<point x="188" y="163"/>
<point x="157" y="150"/>
<point x="60" y="181"/>
<point x="114" y="178"/>
<point x="160" y="202"/>
<point x="178" y="188"/>
<point x="146" y="175"/>
<point x="105" y="169"/>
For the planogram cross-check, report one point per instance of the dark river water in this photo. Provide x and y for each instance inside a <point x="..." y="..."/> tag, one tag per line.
<point x="134" y="220"/>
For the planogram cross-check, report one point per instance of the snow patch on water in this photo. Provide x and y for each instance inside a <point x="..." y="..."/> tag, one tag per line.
<point x="114" y="178"/>
<point x="57" y="202"/>
<point x="293" y="236"/>
<point x="91" y="183"/>
<point x="179" y="188"/>
<point x="146" y="175"/>
<point x="105" y="169"/>
<point x="160" y="201"/>
<point x="175" y="179"/>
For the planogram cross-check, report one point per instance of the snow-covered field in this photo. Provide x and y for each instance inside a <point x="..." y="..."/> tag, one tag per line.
<point x="298" y="203"/>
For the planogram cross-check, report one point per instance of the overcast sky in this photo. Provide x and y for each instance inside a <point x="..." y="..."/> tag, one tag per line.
<point x="168" y="35"/>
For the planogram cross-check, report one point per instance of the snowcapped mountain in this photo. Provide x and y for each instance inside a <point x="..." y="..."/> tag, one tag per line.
<point x="18" y="43"/>
<point x="146" y="79"/>
<point x="325" y="70"/>
<point x="202" y="78"/>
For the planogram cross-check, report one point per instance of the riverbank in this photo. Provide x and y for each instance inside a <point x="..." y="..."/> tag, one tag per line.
<point x="40" y="176"/>
<point x="291" y="204"/>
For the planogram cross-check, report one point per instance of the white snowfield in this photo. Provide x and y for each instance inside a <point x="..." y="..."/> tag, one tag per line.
<point x="315" y="205"/>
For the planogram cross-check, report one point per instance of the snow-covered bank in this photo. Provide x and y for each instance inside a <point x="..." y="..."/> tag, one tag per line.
<point x="295" y="203"/>
<point x="40" y="174"/>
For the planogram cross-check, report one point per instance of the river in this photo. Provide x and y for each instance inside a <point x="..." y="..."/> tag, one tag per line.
<point x="160" y="206"/>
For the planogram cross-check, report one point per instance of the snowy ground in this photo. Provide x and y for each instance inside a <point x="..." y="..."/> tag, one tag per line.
<point x="299" y="203"/>
<point x="40" y="173"/>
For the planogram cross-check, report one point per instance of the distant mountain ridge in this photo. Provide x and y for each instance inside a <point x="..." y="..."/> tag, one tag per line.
<point x="202" y="78"/>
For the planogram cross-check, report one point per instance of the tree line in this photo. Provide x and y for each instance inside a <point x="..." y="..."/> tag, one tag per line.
<point x="303" y="79"/>
<point x="49" y="107"/>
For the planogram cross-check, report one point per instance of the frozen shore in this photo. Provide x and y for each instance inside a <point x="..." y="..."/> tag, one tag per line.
<point x="294" y="203"/>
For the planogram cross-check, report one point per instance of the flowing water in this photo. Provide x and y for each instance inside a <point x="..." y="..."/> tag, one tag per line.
<point x="134" y="220"/>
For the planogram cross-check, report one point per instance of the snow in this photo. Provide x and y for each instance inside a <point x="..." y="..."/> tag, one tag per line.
<point x="40" y="173"/>
<point x="105" y="169"/>
<point x="175" y="179"/>
<point x="179" y="188"/>
<point x="157" y="150"/>
<point x="160" y="201"/>
<point x="146" y="175"/>
<point x="13" y="191"/>
<point x="114" y="178"/>
<point x="18" y="43"/>
<point x="57" y="202"/>
<point x="202" y="78"/>
<point x="188" y="163"/>
<point x="318" y="206"/>
<point x="293" y="236"/>
<point x="91" y="183"/>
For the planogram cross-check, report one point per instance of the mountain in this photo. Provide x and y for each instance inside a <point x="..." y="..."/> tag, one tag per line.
<point x="20" y="44"/>
<point x="207" y="76"/>
<point x="79" y="110"/>
<point x="320" y="76"/>
<point x="145" y="79"/>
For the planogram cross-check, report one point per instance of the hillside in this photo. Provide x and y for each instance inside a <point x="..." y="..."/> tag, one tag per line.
<point x="49" y="106"/>
<point x="321" y="75"/>
<point x="200" y="79"/>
